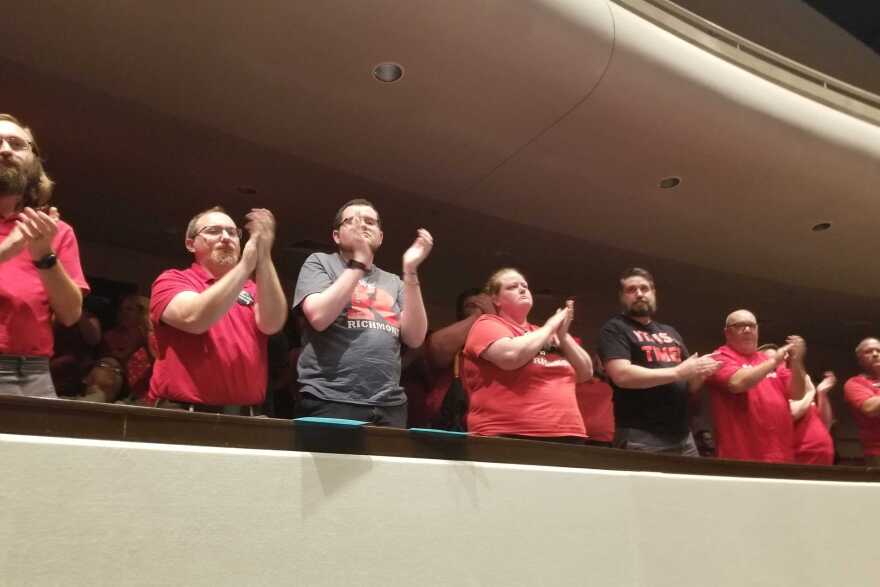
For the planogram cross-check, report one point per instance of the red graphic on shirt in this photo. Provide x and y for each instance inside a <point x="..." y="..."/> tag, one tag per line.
<point x="654" y="352"/>
<point x="369" y="302"/>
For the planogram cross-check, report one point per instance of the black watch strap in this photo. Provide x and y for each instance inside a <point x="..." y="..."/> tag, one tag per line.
<point x="352" y="264"/>
<point x="46" y="262"/>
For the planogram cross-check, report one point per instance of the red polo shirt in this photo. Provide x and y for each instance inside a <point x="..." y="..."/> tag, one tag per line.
<point x="755" y="425"/>
<point x="856" y="390"/>
<point x="25" y="315"/>
<point x="226" y="365"/>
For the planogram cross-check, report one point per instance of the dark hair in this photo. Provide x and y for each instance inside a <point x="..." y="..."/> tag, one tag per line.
<point x="459" y="301"/>
<point x="38" y="190"/>
<point x="636" y="272"/>
<point x="337" y="220"/>
<point x="191" y="227"/>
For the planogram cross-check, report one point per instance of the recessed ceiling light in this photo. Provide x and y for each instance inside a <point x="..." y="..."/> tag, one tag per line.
<point x="246" y="190"/>
<point x="667" y="183"/>
<point x="388" y="72"/>
<point x="821" y="227"/>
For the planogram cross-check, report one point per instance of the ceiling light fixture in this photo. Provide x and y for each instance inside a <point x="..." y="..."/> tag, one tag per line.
<point x="388" y="72"/>
<point x="821" y="227"/>
<point x="667" y="183"/>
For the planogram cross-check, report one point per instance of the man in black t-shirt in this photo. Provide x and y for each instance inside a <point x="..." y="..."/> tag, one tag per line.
<point x="650" y="371"/>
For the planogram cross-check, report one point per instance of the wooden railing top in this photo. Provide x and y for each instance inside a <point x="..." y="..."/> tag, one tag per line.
<point x="75" y="419"/>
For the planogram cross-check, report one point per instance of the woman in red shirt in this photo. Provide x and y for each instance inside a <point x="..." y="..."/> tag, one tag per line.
<point x="521" y="377"/>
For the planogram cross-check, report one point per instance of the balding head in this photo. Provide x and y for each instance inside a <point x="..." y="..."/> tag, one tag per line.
<point x="741" y="332"/>
<point x="868" y="355"/>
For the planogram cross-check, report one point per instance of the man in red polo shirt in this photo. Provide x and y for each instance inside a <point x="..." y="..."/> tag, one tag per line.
<point x="863" y="395"/>
<point x="211" y="320"/>
<point x="40" y="272"/>
<point x="750" y="393"/>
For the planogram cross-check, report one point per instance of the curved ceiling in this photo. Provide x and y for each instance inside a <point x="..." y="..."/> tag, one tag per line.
<point x="561" y="115"/>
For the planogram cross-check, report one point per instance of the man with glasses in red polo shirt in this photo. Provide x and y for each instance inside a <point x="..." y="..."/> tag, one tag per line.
<point x="212" y="320"/>
<point x="40" y="272"/>
<point x="750" y="393"/>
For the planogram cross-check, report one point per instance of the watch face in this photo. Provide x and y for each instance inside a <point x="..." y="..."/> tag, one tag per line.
<point x="46" y="262"/>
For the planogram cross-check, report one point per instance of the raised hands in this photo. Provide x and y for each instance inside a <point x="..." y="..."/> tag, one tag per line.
<point x="829" y="381"/>
<point x="36" y="229"/>
<point x="696" y="366"/>
<point x="261" y="227"/>
<point x="418" y="251"/>
<point x="797" y="348"/>
<point x="568" y="318"/>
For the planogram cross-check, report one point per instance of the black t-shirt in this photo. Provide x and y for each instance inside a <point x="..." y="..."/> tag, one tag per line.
<point x="662" y="409"/>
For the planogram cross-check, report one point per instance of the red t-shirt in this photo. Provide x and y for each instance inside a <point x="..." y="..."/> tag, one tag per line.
<point x="857" y="390"/>
<point x="597" y="408"/>
<point x="227" y="365"/>
<point x="25" y="314"/>
<point x="537" y="399"/>
<point x="812" y="442"/>
<point x="755" y="425"/>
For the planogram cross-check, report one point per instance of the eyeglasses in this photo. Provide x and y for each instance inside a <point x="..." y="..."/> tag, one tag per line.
<point x="15" y="143"/>
<point x="742" y="326"/>
<point x="106" y="365"/>
<point x="368" y="220"/>
<point x="215" y="231"/>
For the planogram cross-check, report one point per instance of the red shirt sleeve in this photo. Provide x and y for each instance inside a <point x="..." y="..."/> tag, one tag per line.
<point x="485" y="331"/>
<point x="857" y="391"/>
<point x="167" y="285"/>
<point x="721" y="377"/>
<point x="67" y="251"/>
<point x="783" y="374"/>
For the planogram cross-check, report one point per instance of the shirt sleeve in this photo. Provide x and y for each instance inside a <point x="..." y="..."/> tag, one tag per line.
<point x="613" y="343"/>
<point x="313" y="278"/>
<point x="857" y="392"/>
<point x="721" y="377"/>
<point x="783" y="375"/>
<point x="167" y="285"/>
<point x="67" y="251"/>
<point x="485" y="331"/>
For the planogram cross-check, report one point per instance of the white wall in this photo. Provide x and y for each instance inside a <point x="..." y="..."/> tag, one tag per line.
<point x="79" y="512"/>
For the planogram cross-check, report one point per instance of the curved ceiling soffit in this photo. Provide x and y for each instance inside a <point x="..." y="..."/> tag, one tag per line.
<point x="757" y="59"/>
<point x="594" y="16"/>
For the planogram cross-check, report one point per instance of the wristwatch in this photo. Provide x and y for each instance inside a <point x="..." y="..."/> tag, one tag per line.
<point x="352" y="264"/>
<point x="46" y="262"/>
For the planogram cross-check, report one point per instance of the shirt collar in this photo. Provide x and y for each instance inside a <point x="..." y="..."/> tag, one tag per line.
<point x="203" y="273"/>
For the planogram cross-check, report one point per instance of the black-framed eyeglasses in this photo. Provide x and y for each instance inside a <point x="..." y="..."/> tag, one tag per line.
<point x="216" y="231"/>
<point x="367" y="220"/>
<point x="15" y="143"/>
<point x="742" y="326"/>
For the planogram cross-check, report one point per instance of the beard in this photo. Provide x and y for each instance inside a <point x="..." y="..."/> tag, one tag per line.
<point x="13" y="180"/>
<point x="642" y="309"/>
<point x="225" y="257"/>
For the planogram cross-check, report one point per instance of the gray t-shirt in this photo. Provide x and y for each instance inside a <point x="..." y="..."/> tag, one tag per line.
<point x="355" y="360"/>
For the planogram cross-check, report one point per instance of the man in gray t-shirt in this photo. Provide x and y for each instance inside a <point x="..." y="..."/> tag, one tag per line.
<point x="356" y="317"/>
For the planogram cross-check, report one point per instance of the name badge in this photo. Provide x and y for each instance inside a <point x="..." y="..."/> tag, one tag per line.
<point x="245" y="298"/>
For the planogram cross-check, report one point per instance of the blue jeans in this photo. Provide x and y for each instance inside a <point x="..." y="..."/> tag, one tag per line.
<point x="635" y="439"/>
<point x="26" y="376"/>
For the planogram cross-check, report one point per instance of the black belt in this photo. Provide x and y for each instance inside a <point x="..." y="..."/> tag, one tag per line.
<point x="229" y="409"/>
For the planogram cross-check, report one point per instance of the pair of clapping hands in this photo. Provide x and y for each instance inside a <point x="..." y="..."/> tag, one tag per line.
<point x="35" y="229"/>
